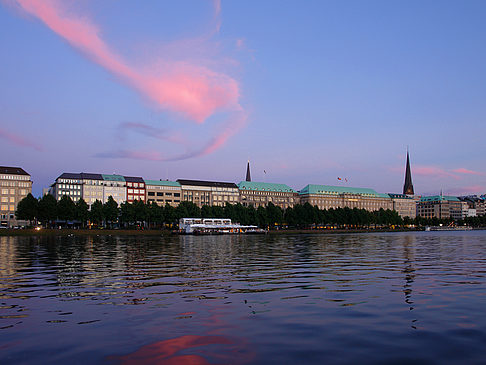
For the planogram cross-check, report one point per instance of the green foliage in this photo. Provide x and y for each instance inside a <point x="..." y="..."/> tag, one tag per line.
<point x="96" y="212"/>
<point x="82" y="212"/>
<point x="47" y="209"/>
<point x="27" y="208"/>
<point x="110" y="210"/>
<point x="66" y="209"/>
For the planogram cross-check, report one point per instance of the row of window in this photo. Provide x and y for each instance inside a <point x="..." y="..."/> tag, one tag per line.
<point x="135" y="184"/>
<point x="159" y="193"/>
<point x="6" y="199"/>
<point x="15" y="177"/>
<point x="6" y="207"/>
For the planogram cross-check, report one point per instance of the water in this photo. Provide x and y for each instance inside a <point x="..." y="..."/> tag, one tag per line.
<point x="354" y="298"/>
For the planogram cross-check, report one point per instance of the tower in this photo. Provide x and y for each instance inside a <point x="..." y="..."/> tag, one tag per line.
<point x="248" y="176"/>
<point x="408" y="186"/>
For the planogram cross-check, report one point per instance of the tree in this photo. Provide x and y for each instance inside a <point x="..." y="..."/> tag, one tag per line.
<point x="82" y="212"/>
<point x="47" y="209"/>
<point x="27" y="208"/>
<point x="110" y="210"/>
<point x="96" y="212"/>
<point x="66" y="208"/>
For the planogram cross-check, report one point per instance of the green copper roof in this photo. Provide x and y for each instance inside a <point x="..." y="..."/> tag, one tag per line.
<point x="437" y="198"/>
<point x="162" y="183"/>
<point x="336" y="190"/>
<point x="113" y="177"/>
<point x="261" y="186"/>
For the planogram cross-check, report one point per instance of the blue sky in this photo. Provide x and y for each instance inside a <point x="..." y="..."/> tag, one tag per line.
<point x="308" y="91"/>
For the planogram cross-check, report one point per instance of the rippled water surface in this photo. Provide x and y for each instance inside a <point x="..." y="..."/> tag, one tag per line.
<point x="352" y="298"/>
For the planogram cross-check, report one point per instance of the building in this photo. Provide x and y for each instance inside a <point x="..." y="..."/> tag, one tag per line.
<point x="15" y="184"/>
<point x="92" y="187"/>
<point x="135" y="188"/>
<point x="441" y="207"/>
<point x="209" y="192"/>
<point x="116" y="187"/>
<point x="404" y="205"/>
<point x="70" y="184"/>
<point x="476" y="205"/>
<point x="163" y="192"/>
<point x="327" y="196"/>
<point x="260" y="194"/>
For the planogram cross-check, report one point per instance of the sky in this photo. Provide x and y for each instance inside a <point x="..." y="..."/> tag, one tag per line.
<point x="308" y="91"/>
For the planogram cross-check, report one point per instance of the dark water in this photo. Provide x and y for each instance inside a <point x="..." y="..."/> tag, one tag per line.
<point x="357" y="298"/>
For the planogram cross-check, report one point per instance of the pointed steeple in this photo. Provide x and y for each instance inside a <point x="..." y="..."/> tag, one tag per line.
<point x="408" y="186"/>
<point x="248" y="176"/>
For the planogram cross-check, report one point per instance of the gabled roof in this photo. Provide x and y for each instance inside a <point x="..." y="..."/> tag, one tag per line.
<point x="12" y="170"/>
<point x="438" y="198"/>
<point x="162" y="183"/>
<point x="262" y="186"/>
<point x="214" y="184"/>
<point x="336" y="190"/>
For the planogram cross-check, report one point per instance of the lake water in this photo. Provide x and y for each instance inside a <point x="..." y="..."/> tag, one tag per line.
<point x="306" y="299"/>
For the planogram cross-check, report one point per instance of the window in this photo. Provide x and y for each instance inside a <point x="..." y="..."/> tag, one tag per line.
<point x="160" y="194"/>
<point x="177" y="195"/>
<point x="151" y="193"/>
<point x="168" y="194"/>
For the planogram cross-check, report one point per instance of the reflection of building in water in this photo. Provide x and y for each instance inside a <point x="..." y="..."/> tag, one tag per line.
<point x="8" y="257"/>
<point x="409" y="271"/>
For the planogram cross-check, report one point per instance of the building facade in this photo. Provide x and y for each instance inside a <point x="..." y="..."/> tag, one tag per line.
<point x="15" y="184"/>
<point x="70" y="184"/>
<point x="405" y="205"/>
<point x="135" y="188"/>
<point x="116" y="187"/>
<point x="163" y="192"/>
<point x="259" y="194"/>
<point x="209" y="192"/>
<point x="327" y="196"/>
<point x="441" y="207"/>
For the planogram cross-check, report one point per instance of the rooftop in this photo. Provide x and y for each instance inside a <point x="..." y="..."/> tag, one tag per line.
<point x="262" y="186"/>
<point x="133" y="179"/>
<point x="12" y="170"/>
<point x="162" y="183"/>
<point x="214" y="184"/>
<point x="437" y="198"/>
<point x="337" y="190"/>
<point x="113" y="177"/>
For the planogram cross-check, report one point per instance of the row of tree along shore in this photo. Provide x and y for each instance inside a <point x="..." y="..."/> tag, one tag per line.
<point x="50" y="213"/>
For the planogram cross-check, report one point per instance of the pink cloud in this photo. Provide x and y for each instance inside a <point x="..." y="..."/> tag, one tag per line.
<point x="186" y="88"/>
<point x="467" y="172"/>
<point x="18" y="140"/>
<point x="432" y="171"/>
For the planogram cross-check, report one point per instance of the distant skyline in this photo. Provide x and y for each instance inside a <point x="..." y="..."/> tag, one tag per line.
<point x="309" y="92"/>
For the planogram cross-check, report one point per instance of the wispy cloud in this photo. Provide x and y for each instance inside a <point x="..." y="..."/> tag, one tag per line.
<point x="187" y="87"/>
<point x="213" y="144"/>
<point x="467" y="172"/>
<point x="433" y="171"/>
<point x="19" y="140"/>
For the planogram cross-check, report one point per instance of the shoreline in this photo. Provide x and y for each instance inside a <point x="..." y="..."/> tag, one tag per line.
<point x="158" y="232"/>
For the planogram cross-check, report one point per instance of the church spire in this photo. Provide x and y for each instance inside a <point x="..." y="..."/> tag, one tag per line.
<point x="248" y="176"/>
<point x="408" y="186"/>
